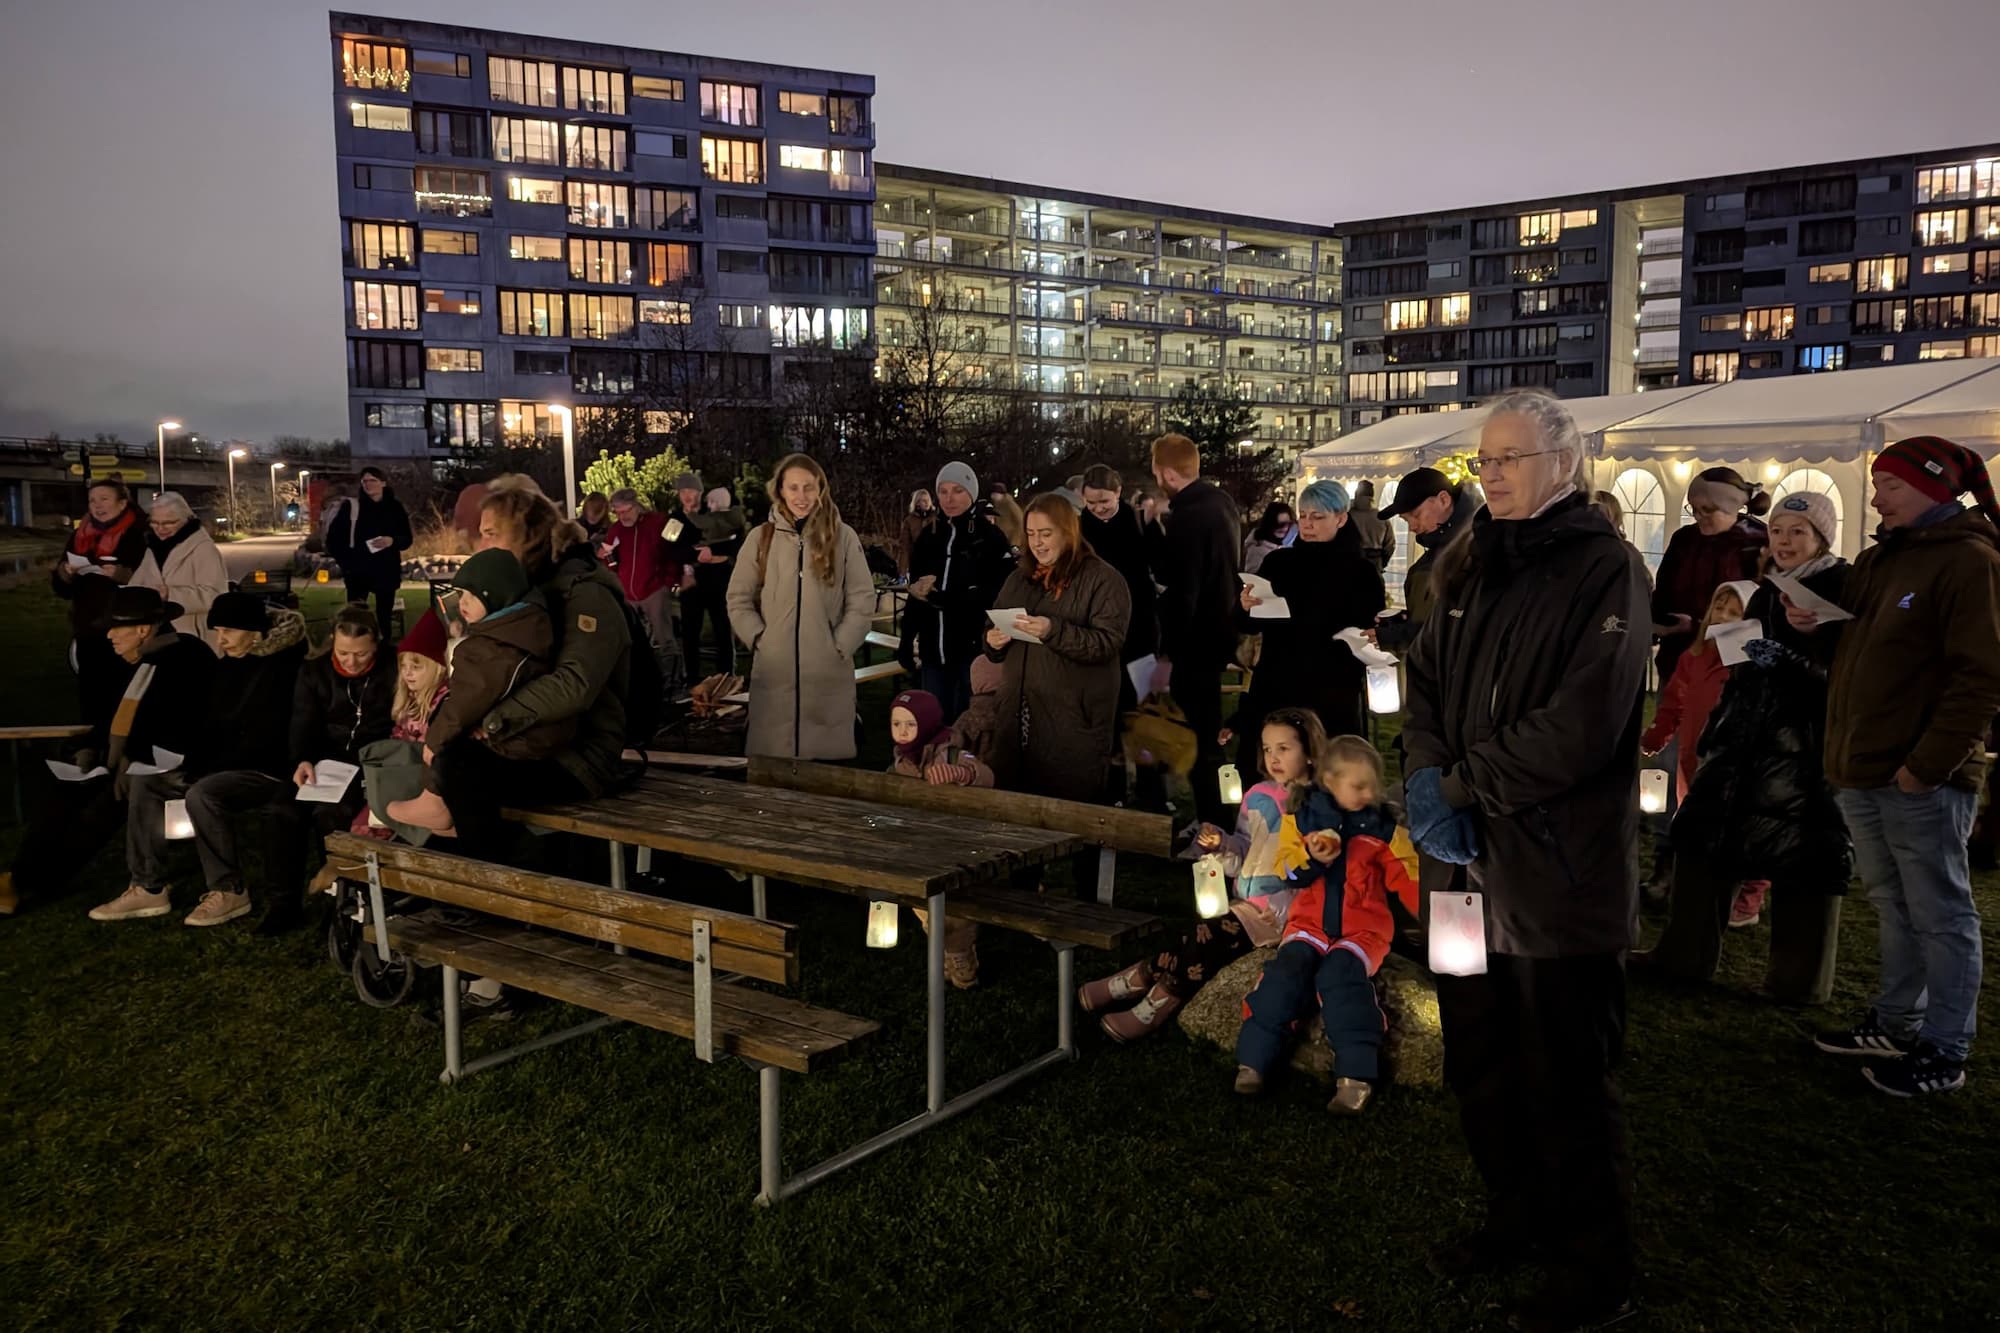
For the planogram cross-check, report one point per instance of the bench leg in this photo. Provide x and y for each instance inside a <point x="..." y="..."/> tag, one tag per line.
<point x="618" y="877"/>
<point x="1107" y="872"/>
<point x="453" y="1032"/>
<point x="934" y="1005"/>
<point x="757" y="904"/>
<point x="1066" y="999"/>
<point x="770" y="1160"/>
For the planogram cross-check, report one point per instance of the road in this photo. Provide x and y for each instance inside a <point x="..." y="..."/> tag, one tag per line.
<point x="244" y="558"/>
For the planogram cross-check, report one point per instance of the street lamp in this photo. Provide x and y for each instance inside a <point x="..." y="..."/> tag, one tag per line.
<point x="305" y="496"/>
<point x="160" y="434"/>
<point x="569" y="456"/>
<point x="275" y="469"/>
<point x="234" y="454"/>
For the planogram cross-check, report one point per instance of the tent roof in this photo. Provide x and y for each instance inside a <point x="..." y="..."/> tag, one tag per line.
<point x="1968" y="412"/>
<point x="1393" y="442"/>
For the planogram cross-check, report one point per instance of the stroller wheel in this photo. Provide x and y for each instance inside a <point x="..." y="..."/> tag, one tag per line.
<point x="343" y="932"/>
<point x="381" y="984"/>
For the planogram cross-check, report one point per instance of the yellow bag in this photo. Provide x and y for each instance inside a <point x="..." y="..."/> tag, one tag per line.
<point x="1157" y="732"/>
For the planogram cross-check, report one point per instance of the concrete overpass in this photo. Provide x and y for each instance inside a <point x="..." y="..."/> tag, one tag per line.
<point x="41" y="479"/>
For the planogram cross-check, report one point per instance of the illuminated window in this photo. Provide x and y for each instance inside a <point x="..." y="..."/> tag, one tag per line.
<point x="523" y="82"/>
<point x="438" y="242"/>
<point x="665" y="210"/>
<point x="1367" y="387"/>
<point x="1767" y="323"/>
<point x="1826" y="356"/>
<point x="1580" y="217"/>
<point x="597" y="315"/>
<point x="534" y="190"/>
<point x="380" y="244"/>
<point x="801" y="158"/>
<point x="1454" y="309"/>
<point x="1539" y="228"/>
<point x="385" y="305"/>
<point x="1830" y="273"/>
<point x="729" y="103"/>
<point x="519" y="139"/>
<point x="528" y="314"/>
<point x="1729" y="323"/>
<point x="395" y="416"/>
<point x="1645" y="506"/>
<point x="1408" y="314"/>
<point x="444" y="64"/>
<point x="1440" y="379"/>
<point x="454" y="193"/>
<point x="1891" y="273"/>
<point x="599" y="261"/>
<point x="1949" y="226"/>
<point x="462" y="425"/>
<point x="594" y="147"/>
<point x="1937" y="312"/>
<point x="599" y="90"/>
<point x="599" y="204"/>
<point x="1984" y="345"/>
<point x="450" y="301"/>
<point x="454" y="360"/>
<point x="671" y="262"/>
<point x="1715" y="367"/>
<point x="1812" y="481"/>
<point x="737" y="160"/>
<point x="1941" y="351"/>
<point x="802" y="104"/>
<point x="1880" y="316"/>
<point x="366" y="64"/>
<point x="1983" y="310"/>
<point x="657" y="88"/>
<point x="1986" y="223"/>
<point x="378" y="116"/>
<point x="525" y="422"/>
<point x="535" y="249"/>
<point x="652" y="310"/>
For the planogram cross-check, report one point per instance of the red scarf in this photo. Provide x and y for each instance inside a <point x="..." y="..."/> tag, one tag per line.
<point x="1045" y="575"/>
<point x="104" y="537"/>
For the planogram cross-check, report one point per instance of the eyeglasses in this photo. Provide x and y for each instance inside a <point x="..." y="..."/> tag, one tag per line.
<point x="1506" y="462"/>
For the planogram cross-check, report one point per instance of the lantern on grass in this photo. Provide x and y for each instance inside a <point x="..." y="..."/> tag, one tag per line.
<point x="1231" y="783"/>
<point x="1384" y="695"/>
<point x="1653" y="791"/>
<point x="179" y="827"/>
<point x="260" y="577"/>
<point x="319" y="576"/>
<point x="1211" y="888"/>
<point x="882" y="919"/>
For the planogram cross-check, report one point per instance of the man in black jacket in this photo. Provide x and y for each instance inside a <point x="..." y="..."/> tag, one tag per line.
<point x="956" y="569"/>
<point x="1198" y="608"/>
<point x="1523" y="764"/>
<point x="1435" y="509"/>
<point x="1112" y="527"/>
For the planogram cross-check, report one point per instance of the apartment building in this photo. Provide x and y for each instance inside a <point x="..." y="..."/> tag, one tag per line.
<point x="1077" y="301"/>
<point x="527" y="221"/>
<point x="1792" y="271"/>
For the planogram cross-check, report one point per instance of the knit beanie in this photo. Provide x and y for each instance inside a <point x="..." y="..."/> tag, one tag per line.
<point x="1722" y="495"/>
<point x="687" y="481"/>
<point x="239" y="610"/>
<point x="1940" y="469"/>
<point x="959" y="474"/>
<point x="427" y="637"/>
<point x="494" y="576"/>
<point x="718" y="499"/>
<point x="1817" y="510"/>
<point x="929" y="713"/>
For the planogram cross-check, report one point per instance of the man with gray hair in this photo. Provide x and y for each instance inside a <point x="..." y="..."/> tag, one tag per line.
<point x="636" y="548"/>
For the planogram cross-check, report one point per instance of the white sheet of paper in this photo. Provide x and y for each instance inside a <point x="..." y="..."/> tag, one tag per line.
<point x="1805" y="599"/>
<point x="71" y="773"/>
<point x="379" y="543"/>
<point x="165" y="761"/>
<point x="78" y="561"/>
<point x="1367" y="653"/>
<point x="1003" y="618"/>
<point x="1141" y="672"/>
<point x="1269" y="606"/>
<point x="331" y="779"/>
<point x="1730" y="638"/>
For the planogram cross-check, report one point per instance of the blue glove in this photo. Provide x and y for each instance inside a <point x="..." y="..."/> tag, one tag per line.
<point x="1455" y="842"/>
<point x="1768" y="653"/>
<point x="1423" y="795"/>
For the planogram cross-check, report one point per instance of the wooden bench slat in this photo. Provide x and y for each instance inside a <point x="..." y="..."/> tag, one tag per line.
<point x="50" y="733"/>
<point x="1110" y="826"/>
<point x="1066" y="920"/>
<point x="664" y="1000"/>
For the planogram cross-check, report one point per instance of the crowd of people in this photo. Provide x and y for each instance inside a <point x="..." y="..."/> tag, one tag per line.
<point x="1845" y="728"/>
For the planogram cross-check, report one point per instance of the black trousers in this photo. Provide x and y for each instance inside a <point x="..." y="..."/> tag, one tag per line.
<point x="476" y="783"/>
<point x="1530" y="1052"/>
<point x="73" y="822"/>
<point x="1197" y="689"/>
<point x="707" y="598"/>
<point x="1805" y="933"/>
<point x="384" y="592"/>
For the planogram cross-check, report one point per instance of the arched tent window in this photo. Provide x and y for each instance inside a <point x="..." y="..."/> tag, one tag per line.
<point x="1645" y="506"/>
<point x="1400" y="558"/>
<point x="1812" y="479"/>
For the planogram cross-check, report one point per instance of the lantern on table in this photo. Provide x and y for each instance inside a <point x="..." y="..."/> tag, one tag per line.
<point x="882" y="919"/>
<point x="1231" y="783"/>
<point x="1653" y="791"/>
<point x="1211" y="888"/>
<point x="179" y="827"/>
<point x="1384" y="695"/>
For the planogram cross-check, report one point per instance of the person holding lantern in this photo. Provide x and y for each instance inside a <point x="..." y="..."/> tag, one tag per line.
<point x="1523" y="795"/>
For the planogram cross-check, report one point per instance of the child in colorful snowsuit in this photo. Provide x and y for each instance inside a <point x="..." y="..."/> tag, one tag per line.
<point x="1336" y="933"/>
<point x="1256" y="857"/>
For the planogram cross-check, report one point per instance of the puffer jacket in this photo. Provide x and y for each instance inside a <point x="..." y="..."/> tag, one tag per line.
<point x="968" y="558"/>
<point x="334" y="715"/>
<point x="1358" y="918"/>
<point x="500" y="654"/>
<point x="1524" y="689"/>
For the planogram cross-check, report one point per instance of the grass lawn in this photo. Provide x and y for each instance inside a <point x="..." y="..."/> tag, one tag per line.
<point x="204" y="1129"/>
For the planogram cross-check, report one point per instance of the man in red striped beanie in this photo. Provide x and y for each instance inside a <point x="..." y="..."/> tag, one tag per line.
<point x="1915" y="684"/>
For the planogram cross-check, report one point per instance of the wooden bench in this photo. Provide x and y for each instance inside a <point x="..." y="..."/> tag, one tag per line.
<point x="880" y="670"/>
<point x="1113" y="828"/>
<point x="17" y="736"/>
<point x="530" y="931"/>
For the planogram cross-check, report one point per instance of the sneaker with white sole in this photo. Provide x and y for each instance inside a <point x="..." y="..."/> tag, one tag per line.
<point x="217" y="906"/>
<point x="1867" y="1037"/>
<point x="133" y="905"/>
<point x="1924" y="1070"/>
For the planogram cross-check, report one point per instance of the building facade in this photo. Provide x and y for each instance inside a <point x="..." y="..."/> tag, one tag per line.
<point x="1794" y="271"/>
<point x="1080" y="302"/>
<point x="527" y="221"/>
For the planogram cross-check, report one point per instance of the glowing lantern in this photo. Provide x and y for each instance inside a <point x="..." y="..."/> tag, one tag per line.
<point x="1653" y="791"/>
<point x="1457" y="935"/>
<point x="882" y="919"/>
<point x="260" y="577"/>
<point x="1384" y="695"/>
<point x="320" y="576"/>
<point x="179" y="827"/>
<point x="1211" y="888"/>
<point x="1231" y="783"/>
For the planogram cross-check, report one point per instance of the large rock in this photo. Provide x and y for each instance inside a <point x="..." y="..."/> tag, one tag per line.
<point x="1412" y="1052"/>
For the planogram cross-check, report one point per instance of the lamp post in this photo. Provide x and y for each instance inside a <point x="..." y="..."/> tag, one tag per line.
<point x="234" y="454"/>
<point x="275" y="469"/>
<point x="160" y="436"/>
<point x="569" y="456"/>
<point x="305" y="496"/>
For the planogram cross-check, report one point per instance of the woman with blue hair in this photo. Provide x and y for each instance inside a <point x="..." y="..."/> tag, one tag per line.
<point x="1329" y="584"/>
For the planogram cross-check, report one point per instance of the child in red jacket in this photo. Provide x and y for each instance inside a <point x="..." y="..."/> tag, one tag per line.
<point x="1334" y="939"/>
<point x="1696" y="686"/>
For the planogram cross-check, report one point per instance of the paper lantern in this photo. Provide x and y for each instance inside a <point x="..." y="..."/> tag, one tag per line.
<point x="1384" y="695"/>
<point x="1231" y="783"/>
<point x="179" y="827"/>
<point x="1211" y="888"/>
<point x="1653" y="791"/>
<point x="1457" y="935"/>
<point x="320" y="577"/>
<point x="882" y="919"/>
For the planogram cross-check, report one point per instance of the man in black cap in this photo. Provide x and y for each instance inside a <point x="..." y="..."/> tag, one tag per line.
<point x="1435" y="509"/>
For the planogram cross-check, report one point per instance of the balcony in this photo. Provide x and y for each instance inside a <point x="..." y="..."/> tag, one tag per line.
<point x="1144" y="356"/>
<point x="848" y="182"/>
<point x="1131" y="245"/>
<point x="1255" y="329"/>
<point x="1658" y="245"/>
<point x="1197" y="360"/>
<point x="1249" y="256"/>
<point x="1270" y="365"/>
<point x="1049" y="352"/>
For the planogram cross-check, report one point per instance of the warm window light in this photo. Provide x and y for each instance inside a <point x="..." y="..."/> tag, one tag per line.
<point x="1211" y="888"/>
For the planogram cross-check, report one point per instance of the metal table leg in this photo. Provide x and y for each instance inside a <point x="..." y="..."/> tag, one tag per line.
<point x="934" y="1004"/>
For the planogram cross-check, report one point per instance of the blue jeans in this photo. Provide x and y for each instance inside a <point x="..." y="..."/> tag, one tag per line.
<point x="1911" y="853"/>
<point x="1293" y="982"/>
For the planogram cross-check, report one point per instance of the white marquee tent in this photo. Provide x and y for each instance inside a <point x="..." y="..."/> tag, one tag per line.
<point x="1798" y="432"/>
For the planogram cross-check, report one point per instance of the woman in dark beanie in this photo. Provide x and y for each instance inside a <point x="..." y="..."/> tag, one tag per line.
<point x="367" y="537"/>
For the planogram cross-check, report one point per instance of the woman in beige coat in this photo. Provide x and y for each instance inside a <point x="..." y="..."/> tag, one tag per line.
<point x="801" y="599"/>
<point x="183" y="565"/>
